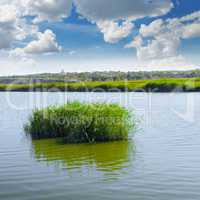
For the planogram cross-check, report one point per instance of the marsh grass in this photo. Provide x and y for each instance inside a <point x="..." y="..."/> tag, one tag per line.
<point x="77" y="122"/>
<point x="159" y="85"/>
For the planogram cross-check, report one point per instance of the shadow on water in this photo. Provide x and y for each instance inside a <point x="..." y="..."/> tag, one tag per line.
<point x="111" y="158"/>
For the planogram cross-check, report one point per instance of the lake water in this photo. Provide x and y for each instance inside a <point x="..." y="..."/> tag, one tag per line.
<point x="160" y="162"/>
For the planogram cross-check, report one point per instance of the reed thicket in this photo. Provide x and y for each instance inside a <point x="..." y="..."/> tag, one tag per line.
<point x="159" y="85"/>
<point x="77" y="122"/>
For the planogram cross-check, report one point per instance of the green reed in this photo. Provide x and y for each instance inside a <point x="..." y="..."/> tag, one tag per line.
<point x="159" y="85"/>
<point x="77" y="122"/>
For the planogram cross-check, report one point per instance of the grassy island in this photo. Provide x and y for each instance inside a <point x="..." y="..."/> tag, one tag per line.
<point x="77" y="122"/>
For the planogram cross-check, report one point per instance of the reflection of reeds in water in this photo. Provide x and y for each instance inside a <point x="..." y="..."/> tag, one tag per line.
<point x="110" y="157"/>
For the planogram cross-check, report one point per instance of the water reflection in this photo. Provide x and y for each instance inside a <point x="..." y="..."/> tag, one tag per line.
<point x="110" y="158"/>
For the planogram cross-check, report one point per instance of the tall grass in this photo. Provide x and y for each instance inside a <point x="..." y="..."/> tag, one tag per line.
<point x="81" y="122"/>
<point x="160" y="85"/>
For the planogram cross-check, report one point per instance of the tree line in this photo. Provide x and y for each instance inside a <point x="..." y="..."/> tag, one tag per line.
<point x="97" y="76"/>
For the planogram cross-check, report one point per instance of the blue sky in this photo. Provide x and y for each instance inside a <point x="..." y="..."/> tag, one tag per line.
<point x="92" y="35"/>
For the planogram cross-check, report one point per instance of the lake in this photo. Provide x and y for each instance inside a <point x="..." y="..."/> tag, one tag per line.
<point x="160" y="161"/>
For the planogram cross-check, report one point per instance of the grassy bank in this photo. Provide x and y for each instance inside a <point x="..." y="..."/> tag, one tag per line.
<point x="160" y="85"/>
<point x="81" y="123"/>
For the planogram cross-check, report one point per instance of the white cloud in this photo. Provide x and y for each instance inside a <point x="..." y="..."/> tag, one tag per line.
<point x="159" y="48"/>
<point x="8" y="26"/>
<point x="45" y="43"/>
<point x="113" y="32"/>
<point x="152" y="29"/>
<point x="12" y="27"/>
<point x="106" y="13"/>
<point x="161" y="39"/>
<point x="193" y="16"/>
<point x="47" y="10"/>
<point x="136" y="43"/>
<point x="191" y="30"/>
<point x="8" y="13"/>
<point x="42" y="10"/>
<point x="96" y="10"/>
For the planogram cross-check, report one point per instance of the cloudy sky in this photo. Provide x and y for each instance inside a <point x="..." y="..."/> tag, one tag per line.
<point x="87" y="35"/>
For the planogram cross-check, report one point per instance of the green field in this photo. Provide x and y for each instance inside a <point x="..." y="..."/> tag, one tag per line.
<point x="159" y="85"/>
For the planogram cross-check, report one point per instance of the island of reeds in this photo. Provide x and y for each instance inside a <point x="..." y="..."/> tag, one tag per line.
<point x="77" y="122"/>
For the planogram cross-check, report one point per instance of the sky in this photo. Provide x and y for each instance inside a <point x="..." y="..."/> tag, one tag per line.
<point x="38" y="36"/>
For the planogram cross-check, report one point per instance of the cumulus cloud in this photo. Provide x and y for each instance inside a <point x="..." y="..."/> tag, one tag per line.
<point x="106" y="13"/>
<point x="161" y="39"/>
<point x="42" y="10"/>
<point x="8" y="26"/>
<point x="45" y="43"/>
<point x="47" y="10"/>
<point x="12" y="27"/>
<point x="191" y="30"/>
<point x="193" y="16"/>
<point x="96" y="10"/>
<point x="113" y="32"/>
<point x="152" y="29"/>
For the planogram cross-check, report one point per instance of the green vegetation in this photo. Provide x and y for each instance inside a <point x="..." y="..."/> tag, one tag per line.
<point x="81" y="123"/>
<point x="159" y="85"/>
